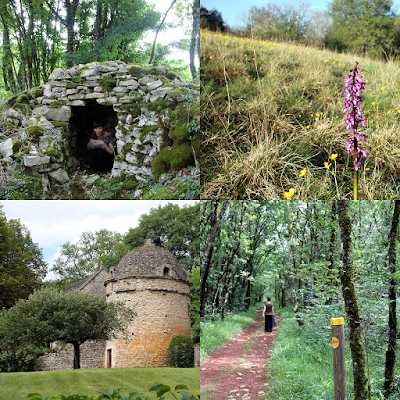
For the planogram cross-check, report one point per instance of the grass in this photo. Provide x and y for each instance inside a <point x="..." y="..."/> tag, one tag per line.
<point x="301" y="368"/>
<point x="17" y="385"/>
<point x="215" y="333"/>
<point x="270" y="110"/>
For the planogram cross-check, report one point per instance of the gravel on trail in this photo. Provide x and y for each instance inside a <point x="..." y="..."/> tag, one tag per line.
<point x="238" y="368"/>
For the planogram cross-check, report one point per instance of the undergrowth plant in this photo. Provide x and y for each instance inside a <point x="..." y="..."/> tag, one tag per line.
<point x="271" y="110"/>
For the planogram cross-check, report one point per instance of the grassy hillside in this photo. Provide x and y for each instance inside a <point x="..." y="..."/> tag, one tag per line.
<point x="17" y="385"/>
<point x="271" y="110"/>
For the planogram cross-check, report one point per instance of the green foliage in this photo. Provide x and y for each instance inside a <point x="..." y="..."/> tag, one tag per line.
<point x="180" y="352"/>
<point x="21" y="360"/>
<point x="21" y="261"/>
<point x="117" y="394"/>
<point x="84" y="317"/>
<point x="80" y="260"/>
<point x="16" y="145"/>
<point x="34" y="131"/>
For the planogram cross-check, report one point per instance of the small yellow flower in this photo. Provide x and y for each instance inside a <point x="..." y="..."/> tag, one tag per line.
<point x="366" y="81"/>
<point x="337" y="116"/>
<point x="303" y="172"/>
<point x="312" y="115"/>
<point x="367" y="169"/>
<point x="327" y="165"/>
<point x="383" y="88"/>
<point x="373" y="103"/>
<point x="326" y="61"/>
<point x="300" y="115"/>
<point x="289" y="194"/>
<point x="308" y="126"/>
<point x="333" y="156"/>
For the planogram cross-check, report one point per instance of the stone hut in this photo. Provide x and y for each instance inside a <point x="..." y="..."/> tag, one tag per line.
<point x="150" y="280"/>
<point x="150" y="109"/>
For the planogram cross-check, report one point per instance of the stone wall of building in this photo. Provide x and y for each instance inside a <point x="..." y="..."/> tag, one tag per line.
<point x="149" y="108"/>
<point x="162" y="308"/>
<point x="91" y="356"/>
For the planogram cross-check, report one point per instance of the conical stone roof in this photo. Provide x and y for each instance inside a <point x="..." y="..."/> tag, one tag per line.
<point x="150" y="261"/>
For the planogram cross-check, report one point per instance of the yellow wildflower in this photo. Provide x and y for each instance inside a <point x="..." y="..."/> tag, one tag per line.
<point x="373" y="103"/>
<point x="289" y="194"/>
<point x="303" y="172"/>
<point x="327" y="165"/>
<point x="367" y="169"/>
<point x="333" y="156"/>
<point x="383" y="88"/>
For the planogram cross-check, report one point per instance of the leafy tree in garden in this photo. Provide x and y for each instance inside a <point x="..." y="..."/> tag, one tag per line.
<point x="362" y="26"/>
<point x="21" y="262"/>
<point x="81" y="259"/>
<point x="71" y="317"/>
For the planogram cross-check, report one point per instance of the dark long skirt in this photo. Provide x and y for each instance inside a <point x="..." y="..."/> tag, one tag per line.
<point x="101" y="160"/>
<point x="268" y="323"/>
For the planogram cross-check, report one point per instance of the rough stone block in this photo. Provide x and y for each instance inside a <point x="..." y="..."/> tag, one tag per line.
<point x="95" y="96"/>
<point x="59" y="74"/>
<point x="6" y="148"/>
<point x="31" y="161"/>
<point x="62" y="114"/>
<point x="154" y="85"/>
<point x="59" y="176"/>
<point x="129" y="82"/>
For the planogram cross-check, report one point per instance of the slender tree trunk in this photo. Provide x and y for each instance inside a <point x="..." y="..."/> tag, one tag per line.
<point x="391" y="350"/>
<point x="158" y="30"/>
<point x="206" y="259"/>
<point x="77" y="355"/>
<point x="332" y="245"/>
<point x="361" y="386"/>
<point x="195" y="38"/>
<point x="291" y="279"/>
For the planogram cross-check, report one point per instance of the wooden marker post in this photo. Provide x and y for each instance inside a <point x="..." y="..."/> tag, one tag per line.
<point x="339" y="366"/>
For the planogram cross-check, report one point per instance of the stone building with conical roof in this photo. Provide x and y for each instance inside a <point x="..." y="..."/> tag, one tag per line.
<point x="149" y="280"/>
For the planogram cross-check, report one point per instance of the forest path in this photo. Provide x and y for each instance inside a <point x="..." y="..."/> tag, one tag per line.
<point x="237" y="369"/>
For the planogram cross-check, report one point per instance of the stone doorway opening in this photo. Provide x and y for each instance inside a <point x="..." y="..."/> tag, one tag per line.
<point x="81" y="124"/>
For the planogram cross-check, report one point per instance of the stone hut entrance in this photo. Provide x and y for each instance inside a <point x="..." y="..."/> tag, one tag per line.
<point x="81" y="124"/>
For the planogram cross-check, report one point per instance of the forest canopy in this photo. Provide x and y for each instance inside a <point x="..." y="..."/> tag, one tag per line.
<point x="39" y="36"/>
<point x="323" y="259"/>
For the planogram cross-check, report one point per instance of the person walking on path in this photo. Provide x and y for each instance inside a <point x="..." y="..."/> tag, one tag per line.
<point x="268" y="313"/>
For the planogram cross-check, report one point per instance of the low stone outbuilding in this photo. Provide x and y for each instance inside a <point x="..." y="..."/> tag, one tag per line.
<point x="149" y="280"/>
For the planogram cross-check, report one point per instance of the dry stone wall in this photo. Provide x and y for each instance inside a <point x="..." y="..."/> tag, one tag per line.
<point x="150" y="109"/>
<point x="91" y="356"/>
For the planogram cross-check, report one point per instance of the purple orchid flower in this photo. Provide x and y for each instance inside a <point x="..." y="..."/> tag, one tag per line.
<point x="353" y="87"/>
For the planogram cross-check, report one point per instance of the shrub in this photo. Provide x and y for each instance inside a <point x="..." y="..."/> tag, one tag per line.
<point x="21" y="360"/>
<point x="180" y="352"/>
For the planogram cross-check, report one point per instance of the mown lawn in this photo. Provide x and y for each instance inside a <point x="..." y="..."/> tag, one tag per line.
<point x="17" y="385"/>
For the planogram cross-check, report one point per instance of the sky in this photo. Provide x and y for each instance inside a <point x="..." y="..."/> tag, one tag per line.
<point x="53" y="223"/>
<point x="232" y="9"/>
<point x="171" y="34"/>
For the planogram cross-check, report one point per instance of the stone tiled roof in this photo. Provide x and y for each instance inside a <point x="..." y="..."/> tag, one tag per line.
<point x="82" y="284"/>
<point x="150" y="260"/>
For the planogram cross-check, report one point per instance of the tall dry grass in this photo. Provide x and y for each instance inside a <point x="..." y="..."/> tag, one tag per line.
<point x="270" y="110"/>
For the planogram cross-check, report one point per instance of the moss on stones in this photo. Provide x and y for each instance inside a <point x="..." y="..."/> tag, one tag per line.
<point x="22" y="98"/>
<point x="71" y="85"/>
<point x="22" y="108"/>
<point x="16" y="145"/>
<point x="53" y="153"/>
<point x="172" y="75"/>
<point x="153" y="71"/>
<point x="174" y="94"/>
<point x="135" y="70"/>
<point x="180" y="133"/>
<point x="108" y="83"/>
<point x="34" y="131"/>
<point x="171" y="159"/>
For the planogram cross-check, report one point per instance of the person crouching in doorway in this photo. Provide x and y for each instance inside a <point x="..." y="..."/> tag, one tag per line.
<point x="268" y="313"/>
<point x="101" y="147"/>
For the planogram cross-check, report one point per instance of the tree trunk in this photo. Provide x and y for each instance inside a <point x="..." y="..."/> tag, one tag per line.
<point x="77" y="355"/>
<point x="361" y="387"/>
<point x="195" y="38"/>
<point x="291" y="279"/>
<point x="206" y="259"/>
<point x="331" y="250"/>
<point x="158" y="30"/>
<point x="391" y="350"/>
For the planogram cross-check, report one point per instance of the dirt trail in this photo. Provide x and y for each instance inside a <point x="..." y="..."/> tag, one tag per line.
<point x="237" y="369"/>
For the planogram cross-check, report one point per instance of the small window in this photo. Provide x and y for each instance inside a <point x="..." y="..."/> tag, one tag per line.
<point x="166" y="272"/>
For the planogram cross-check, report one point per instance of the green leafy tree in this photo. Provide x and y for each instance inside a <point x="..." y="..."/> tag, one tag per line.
<point x="363" y="26"/>
<point x="212" y="20"/>
<point x="81" y="259"/>
<point x="22" y="266"/>
<point x="71" y="317"/>
<point x="171" y="227"/>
